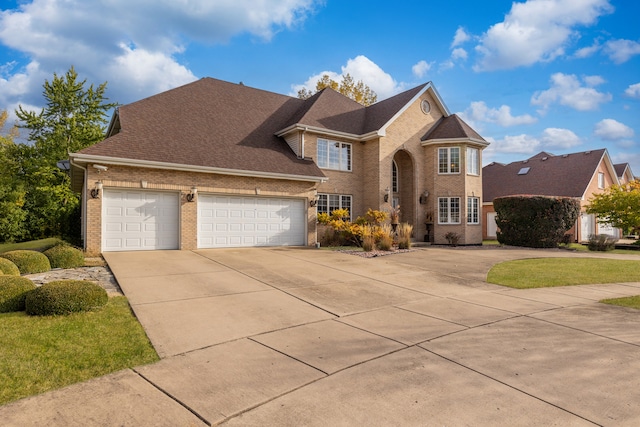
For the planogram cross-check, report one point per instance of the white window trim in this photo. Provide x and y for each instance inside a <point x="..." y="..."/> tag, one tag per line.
<point x="449" y="210"/>
<point x="448" y="149"/>
<point x="341" y="197"/>
<point x="341" y="167"/>
<point x="601" y="181"/>
<point x="474" y="207"/>
<point x="473" y="164"/>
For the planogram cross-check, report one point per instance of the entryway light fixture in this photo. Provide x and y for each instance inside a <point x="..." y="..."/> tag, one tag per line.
<point x="314" y="202"/>
<point x="95" y="192"/>
<point x="192" y="196"/>
<point x="423" y="197"/>
<point x="387" y="191"/>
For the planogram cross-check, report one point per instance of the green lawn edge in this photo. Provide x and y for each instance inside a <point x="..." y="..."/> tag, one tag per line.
<point x="631" y="302"/>
<point x="43" y="353"/>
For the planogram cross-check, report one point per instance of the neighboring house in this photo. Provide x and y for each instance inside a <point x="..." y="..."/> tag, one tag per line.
<point x="216" y="164"/>
<point x="623" y="171"/>
<point x="578" y="175"/>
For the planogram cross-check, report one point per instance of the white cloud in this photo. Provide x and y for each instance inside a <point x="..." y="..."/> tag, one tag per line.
<point x="567" y="90"/>
<point x="613" y="130"/>
<point x="479" y="112"/>
<point x="633" y="91"/>
<point x="535" y="31"/>
<point x="421" y="68"/>
<point x="559" y="138"/>
<point x="460" y="37"/>
<point x="90" y="35"/>
<point x="360" y="68"/>
<point x="459" y="53"/>
<point x="588" y="51"/>
<point x="620" y="51"/>
<point x="517" y="144"/>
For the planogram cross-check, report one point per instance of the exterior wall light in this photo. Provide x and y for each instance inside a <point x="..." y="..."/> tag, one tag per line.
<point x="423" y="197"/>
<point x="314" y="202"/>
<point x="192" y="196"/>
<point x="387" y="191"/>
<point x="95" y="192"/>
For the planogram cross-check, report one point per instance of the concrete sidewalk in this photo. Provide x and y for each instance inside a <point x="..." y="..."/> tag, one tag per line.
<point x="285" y="336"/>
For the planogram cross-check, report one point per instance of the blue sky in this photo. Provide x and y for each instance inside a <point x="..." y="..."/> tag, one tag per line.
<point x="555" y="75"/>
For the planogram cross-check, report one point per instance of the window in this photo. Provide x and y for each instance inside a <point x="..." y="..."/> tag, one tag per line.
<point x="328" y="203"/>
<point x="473" y="210"/>
<point x="473" y="167"/>
<point x="394" y="177"/>
<point x="449" y="160"/>
<point x="600" y="180"/>
<point x="334" y="155"/>
<point x="449" y="210"/>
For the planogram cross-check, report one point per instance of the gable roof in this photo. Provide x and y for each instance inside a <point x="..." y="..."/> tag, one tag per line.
<point x="544" y="174"/>
<point x="216" y="126"/>
<point x="184" y="126"/>
<point x="452" y="127"/>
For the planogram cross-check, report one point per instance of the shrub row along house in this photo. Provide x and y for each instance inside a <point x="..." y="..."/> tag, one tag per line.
<point x="579" y="175"/>
<point x="217" y="164"/>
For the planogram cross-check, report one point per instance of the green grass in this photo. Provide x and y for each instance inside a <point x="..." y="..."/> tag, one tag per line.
<point x="36" y="245"/>
<point x="547" y="272"/>
<point x="632" y="302"/>
<point x="38" y="354"/>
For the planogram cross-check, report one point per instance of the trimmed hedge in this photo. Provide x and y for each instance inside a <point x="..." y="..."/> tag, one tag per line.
<point x="535" y="221"/>
<point x="65" y="297"/>
<point x="9" y="268"/>
<point x="28" y="262"/>
<point x="13" y="291"/>
<point x="63" y="256"/>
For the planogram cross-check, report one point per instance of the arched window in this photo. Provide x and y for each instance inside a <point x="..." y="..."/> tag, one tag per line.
<point x="394" y="177"/>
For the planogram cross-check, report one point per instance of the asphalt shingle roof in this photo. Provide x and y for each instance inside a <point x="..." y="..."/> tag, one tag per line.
<point x="565" y="175"/>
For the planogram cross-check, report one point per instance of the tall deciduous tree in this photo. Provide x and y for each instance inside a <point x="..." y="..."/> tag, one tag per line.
<point x="12" y="214"/>
<point x="74" y="117"/>
<point x="358" y="91"/>
<point x="618" y="205"/>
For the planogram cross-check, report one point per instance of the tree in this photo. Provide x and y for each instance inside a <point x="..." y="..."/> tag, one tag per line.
<point x="618" y="205"/>
<point x="358" y="91"/>
<point x="74" y="117"/>
<point x="12" y="214"/>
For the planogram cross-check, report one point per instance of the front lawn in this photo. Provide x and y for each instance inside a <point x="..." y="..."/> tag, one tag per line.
<point x="38" y="354"/>
<point x="547" y="272"/>
<point x="633" y="302"/>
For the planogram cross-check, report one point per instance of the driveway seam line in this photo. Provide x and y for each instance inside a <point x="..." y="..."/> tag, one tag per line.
<point x="175" y="399"/>
<point x="509" y="385"/>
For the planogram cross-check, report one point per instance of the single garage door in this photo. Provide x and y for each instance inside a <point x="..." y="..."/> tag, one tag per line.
<point x="234" y="221"/>
<point x="139" y="220"/>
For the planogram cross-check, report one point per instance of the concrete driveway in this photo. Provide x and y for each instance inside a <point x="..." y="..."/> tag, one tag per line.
<point x="291" y="337"/>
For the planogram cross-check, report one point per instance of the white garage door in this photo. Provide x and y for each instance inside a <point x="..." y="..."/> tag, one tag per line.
<point x="138" y="220"/>
<point x="233" y="221"/>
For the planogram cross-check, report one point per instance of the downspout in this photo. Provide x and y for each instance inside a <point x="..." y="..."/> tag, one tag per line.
<point x="83" y="209"/>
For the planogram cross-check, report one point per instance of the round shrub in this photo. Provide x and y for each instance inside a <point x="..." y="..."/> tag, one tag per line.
<point x="13" y="291"/>
<point x="65" y="297"/>
<point x="9" y="268"/>
<point x="28" y="262"/>
<point x="63" y="256"/>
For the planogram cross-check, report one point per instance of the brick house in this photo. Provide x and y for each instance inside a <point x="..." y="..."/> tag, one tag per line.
<point x="579" y="175"/>
<point x="217" y="164"/>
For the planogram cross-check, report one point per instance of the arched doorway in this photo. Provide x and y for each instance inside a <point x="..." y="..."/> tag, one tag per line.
<point x="402" y="186"/>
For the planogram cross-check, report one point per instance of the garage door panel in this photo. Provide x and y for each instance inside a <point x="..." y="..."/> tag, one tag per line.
<point x="250" y="221"/>
<point x="140" y="220"/>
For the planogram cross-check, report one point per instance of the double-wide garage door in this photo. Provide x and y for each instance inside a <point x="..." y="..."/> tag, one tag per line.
<point x="235" y="221"/>
<point x="134" y="220"/>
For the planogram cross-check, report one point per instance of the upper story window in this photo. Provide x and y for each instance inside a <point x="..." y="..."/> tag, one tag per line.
<point x="600" y="180"/>
<point x="473" y="163"/>
<point x="394" y="177"/>
<point x="334" y="155"/>
<point x="449" y="160"/>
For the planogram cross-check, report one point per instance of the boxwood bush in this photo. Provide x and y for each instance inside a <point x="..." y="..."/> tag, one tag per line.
<point x="13" y="291"/>
<point x="28" y="262"/>
<point x="9" y="268"/>
<point x="535" y="221"/>
<point x="65" y="297"/>
<point x="64" y="256"/>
